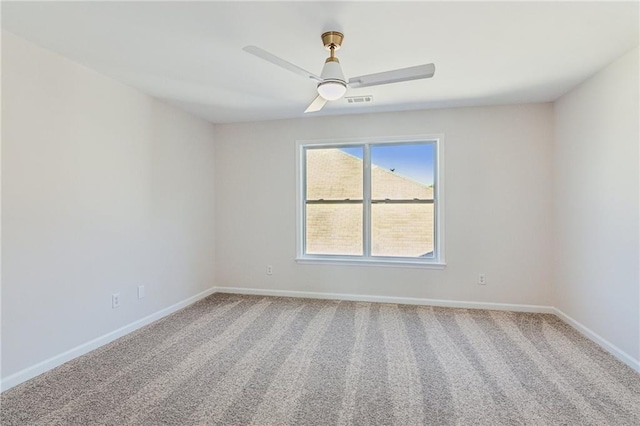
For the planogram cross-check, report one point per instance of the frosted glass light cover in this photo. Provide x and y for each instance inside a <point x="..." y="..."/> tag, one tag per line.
<point x="332" y="90"/>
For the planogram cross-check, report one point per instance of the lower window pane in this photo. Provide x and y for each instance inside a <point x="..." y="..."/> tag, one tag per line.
<point x="334" y="229"/>
<point x="404" y="230"/>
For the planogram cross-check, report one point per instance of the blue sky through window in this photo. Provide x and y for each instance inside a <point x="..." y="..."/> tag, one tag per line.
<point x="414" y="161"/>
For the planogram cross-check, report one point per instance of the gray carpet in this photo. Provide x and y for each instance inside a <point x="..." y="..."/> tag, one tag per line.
<point x="237" y="360"/>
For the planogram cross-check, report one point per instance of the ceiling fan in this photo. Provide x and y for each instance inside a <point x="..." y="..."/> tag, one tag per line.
<point x="331" y="83"/>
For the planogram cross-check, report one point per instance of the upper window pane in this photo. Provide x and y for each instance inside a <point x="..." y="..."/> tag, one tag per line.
<point x="334" y="174"/>
<point x="402" y="171"/>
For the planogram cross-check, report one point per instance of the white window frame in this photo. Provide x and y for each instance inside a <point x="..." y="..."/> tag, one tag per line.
<point x="436" y="262"/>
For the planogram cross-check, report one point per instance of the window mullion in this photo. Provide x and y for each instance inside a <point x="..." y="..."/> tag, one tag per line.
<point x="366" y="201"/>
<point x="302" y="191"/>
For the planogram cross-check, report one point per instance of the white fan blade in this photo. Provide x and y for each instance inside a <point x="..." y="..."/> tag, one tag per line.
<point x="263" y="54"/>
<point x="395" y="76"/>
<point x="316" y="105"/>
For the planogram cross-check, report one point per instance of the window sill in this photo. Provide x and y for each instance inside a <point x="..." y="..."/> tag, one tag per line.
<point x="345" y="261"/>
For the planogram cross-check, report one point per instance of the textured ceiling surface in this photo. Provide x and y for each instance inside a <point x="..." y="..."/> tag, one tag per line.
<point x="190" y="53"/>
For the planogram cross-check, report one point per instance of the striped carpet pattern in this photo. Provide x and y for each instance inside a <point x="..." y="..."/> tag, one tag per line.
<point x="249" y="360"/>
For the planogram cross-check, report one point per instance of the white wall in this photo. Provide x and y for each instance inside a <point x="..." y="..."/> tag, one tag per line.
<point x="596" y="204"/>
<point x="103" y="189"/>
<point x="498" y="205"/>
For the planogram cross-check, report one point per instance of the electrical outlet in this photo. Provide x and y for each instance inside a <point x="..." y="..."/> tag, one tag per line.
<point x="140" y="292"/>
<point x="269" y="270"/>
<point x="482" y="279"/>
<point x="115" y="300"/>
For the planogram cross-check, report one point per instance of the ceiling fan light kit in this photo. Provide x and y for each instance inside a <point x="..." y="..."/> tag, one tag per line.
<point x="332" y="90"/>
<point x="331" y="83"/>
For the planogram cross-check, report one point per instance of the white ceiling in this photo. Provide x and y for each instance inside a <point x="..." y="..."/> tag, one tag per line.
<point x="190" y="53"/>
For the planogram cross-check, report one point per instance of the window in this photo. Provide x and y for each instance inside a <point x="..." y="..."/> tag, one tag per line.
<point x="371" y="201"/>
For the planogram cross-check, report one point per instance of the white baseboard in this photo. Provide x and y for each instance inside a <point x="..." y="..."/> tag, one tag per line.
<point x="48" y="364"/>
<point x="389" y="299"/>
<point x="605" y="344"/>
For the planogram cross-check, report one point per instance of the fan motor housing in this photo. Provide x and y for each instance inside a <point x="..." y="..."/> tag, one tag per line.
<point x="332" y="39"/>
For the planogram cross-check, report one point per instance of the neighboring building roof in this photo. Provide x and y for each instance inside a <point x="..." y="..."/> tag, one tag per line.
<point x="333" y="174"/>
